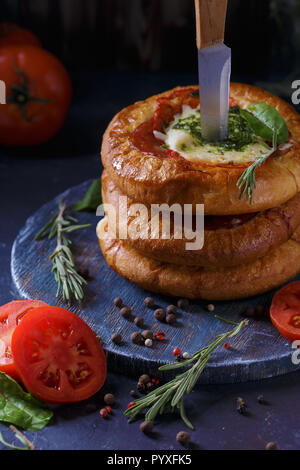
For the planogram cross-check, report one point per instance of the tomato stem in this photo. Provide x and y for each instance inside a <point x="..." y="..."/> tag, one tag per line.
<point x="21" y="96"/>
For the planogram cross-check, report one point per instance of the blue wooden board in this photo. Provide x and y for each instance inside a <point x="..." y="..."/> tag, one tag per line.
<point x="258" y="352"/>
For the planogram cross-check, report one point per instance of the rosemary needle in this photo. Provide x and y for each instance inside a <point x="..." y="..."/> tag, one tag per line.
<point x="247" y="181"/>
<point x="69" y="282"/>
<point x="171" y="395"/>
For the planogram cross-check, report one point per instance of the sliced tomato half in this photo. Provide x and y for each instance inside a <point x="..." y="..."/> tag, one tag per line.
<point x="285" y="311"/>
<point x="10" y="316"/>
<point x="58" y="356"/>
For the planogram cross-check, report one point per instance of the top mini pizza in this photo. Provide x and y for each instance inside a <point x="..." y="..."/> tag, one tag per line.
<point x="149" y="152"/>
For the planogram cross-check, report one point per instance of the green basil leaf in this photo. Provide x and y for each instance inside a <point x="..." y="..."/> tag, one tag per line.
<point x="20" y="408"/>
<point x="91" y="200"/>
<point x="264" y="120"/>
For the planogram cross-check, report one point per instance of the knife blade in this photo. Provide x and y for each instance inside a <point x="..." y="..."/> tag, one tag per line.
<point x="214" y="62"/>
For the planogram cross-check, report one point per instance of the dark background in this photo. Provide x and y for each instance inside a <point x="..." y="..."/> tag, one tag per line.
<point x="159" y="35"/>
<point x="117" y="52"/>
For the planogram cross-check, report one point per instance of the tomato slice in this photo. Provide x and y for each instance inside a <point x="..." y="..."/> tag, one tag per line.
<point x="58" y="356"/>
<point x="10" y="315"/>
<point x="285" y="311"/>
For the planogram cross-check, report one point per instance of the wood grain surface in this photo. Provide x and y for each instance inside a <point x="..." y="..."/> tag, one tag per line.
<point x="258" y="352"/>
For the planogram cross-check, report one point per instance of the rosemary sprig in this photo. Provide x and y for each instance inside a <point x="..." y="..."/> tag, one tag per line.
<point x="69" y="282"/>
<point x="19" y="435"/>
<point x="171" y="395"/>
<point x="247" y="181"/>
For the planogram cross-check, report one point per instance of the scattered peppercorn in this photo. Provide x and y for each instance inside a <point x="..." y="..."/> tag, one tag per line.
<point x="160" y="336"/>
<point x="109" y="410"/>
<point x="183" y="304"/>
<point x="148" y="343"/>
<point x="183" y="438"/>
<point x="249" y="312"/>
<point x="171" y="319"/>
<point x="144" y="379"/>
<point x="133" y="394"/>
<point x="104" y="413"/>
<point x="146" y="427"/>
<point x="130" y="405"/>
<point x="210" y="307"/>
<point x="116" y="338"/>
<point x="147" y="334"/>
<point x="177" y="352"/>
<point x="109" y="399"/>
<point x="149" y="302"/>
<point x="160" y="314"/>
<point x="141" y="387"/>
<point x="271" y="446"/>
<point x="241" y="406"/>
<point x="185" y="355"/>
<point x="138" y="321"/>
<point x="150" y="387"/>
<point x="227" y="346"/>
<point x="179" y="358"/>
<point x="259" y="311"/>
<point x="118" y="302"/>
<point x="171" y="309"/>
<point x="261" y="399"/>
<point x="137" y="338"/>
<point x="126" y="312"/>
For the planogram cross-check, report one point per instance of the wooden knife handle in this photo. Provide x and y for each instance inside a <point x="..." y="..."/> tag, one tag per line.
<point x="210" y="22"/>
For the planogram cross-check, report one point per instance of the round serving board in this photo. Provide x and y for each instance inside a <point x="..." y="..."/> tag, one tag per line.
<point x="257" y="352"/>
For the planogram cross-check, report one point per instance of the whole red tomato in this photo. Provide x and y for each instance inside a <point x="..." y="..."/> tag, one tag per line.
<point x="38" y="95"/>
<point x="11" y="34"/>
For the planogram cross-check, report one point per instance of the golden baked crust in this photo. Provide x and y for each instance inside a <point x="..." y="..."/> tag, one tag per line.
<point x="222" y="247"/>
<point x="156" y="179"/>
<point x="255" y="278"/>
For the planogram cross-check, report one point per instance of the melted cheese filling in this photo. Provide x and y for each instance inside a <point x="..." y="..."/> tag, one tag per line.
<point x="182" y="142"/>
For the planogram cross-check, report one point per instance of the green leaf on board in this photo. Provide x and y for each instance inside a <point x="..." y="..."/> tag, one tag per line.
<point x="20" y="408"/>
<point x="91" y="200"/>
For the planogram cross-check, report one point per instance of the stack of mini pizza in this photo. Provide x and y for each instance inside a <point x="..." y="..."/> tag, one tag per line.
<point x="250" y="246"/>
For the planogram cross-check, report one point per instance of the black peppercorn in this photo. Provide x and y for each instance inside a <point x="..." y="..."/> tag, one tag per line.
<point x="241" y="406"/>
<point x="147" y="334"/>
<point x="179" y="358"/>
<point x="150" y="387"/>
<point x="137" y="338"/>
<point x="138" y="321"/>
<point x="249" y="312"/>
<point x="149" y="302"/>
<point x="146" y="427"/>
<point x="183" y="304"/>
<point x="261" y="399"/>
<point x="141" y="387"/>
<point x="259" y="311"/>
<point x="183" y="438"/>
<point x="116" y="338"/>
<point x="118" y="302"/>
<point x="171" y="319"/>
<point x="126" y="312"/>
<point x="133" y="393"/>
<point x="271" y="446"/>
<point x="171" y="309"/>
<point x="109" y="399"/>
<point x="144" y="379"/>
<point x="160" y="314"/>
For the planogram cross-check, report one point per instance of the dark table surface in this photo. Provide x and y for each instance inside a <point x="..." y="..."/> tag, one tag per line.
<point x="31" y="177"/>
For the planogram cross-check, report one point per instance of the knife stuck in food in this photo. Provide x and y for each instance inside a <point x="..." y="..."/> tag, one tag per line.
<point x="214" y="59"/>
